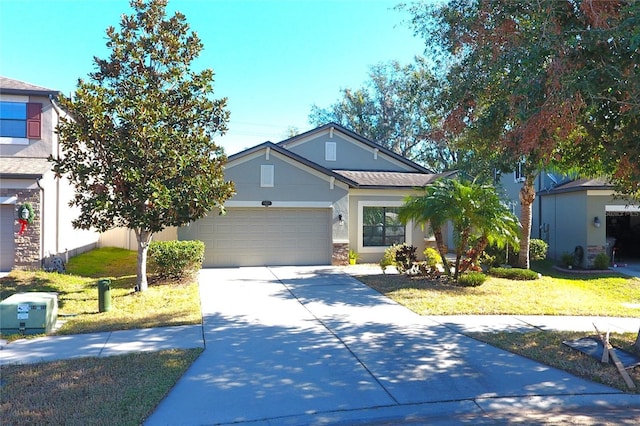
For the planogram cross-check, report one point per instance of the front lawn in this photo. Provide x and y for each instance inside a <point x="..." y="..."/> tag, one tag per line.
<point x="118" y="390"/>
<point x="553" y="294"/>
<point x="163" y="304"/>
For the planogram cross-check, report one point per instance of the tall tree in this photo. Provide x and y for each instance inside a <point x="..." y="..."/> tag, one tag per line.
<point x="139" y="146"/>
<point x="504" y="65"/>
<point x="394" y="108"/>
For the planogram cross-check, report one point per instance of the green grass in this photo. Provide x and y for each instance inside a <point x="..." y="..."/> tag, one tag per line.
<point x="163" y="304"/>
<point x="553" y="294"/>
<point x="556" y="293"/>
<point x="119" y="390"/>
<point x="547" y="347"/>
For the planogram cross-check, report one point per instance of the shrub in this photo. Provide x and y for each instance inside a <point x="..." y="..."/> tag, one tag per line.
<point x="472" y="279"/>
<point x="432" y="258"/>
<point x="538" y="249"/>
<point x="514" y="273"/>
<point x="567" y="259"/>
<point x="405" y="256"/>
<point x="601" y="261"/>
<point x="175" y="259"/>
<point x="494" y="256"/>
<point x="389" y="257"/>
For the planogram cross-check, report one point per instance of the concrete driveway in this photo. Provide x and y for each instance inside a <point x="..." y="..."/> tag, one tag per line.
<point x="312" y="345"/>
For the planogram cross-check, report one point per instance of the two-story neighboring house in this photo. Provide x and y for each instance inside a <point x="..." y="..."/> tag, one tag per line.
<point x="310" y="199"/>
<point x="579" y="216"/>
<point x="28" y="118"/>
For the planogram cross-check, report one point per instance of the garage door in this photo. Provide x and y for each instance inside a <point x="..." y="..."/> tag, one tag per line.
<point x="7" y="244"/>
<point x="266" y="236"/>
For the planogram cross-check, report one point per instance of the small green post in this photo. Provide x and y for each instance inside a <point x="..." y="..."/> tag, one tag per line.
<point x="104" y="295"/>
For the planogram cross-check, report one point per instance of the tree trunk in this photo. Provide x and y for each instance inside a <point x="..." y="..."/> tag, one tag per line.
<point x="143" y="237"/>
<point x="474" y="253"/>
<point x="527" y="195"/>
<point x="462" y="245"/>
<point x="437" y="233"/>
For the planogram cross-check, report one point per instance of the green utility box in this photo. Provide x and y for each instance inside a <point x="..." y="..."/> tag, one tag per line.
<point x="28" y="313"/>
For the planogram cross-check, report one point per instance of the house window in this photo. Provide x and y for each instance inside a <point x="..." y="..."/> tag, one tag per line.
<point x="266" y="176"/>
<point x="381" y="227"/>
<point x="330" y="151"/>
<point x="518" y="174"/>
<point x="20" y="120"/>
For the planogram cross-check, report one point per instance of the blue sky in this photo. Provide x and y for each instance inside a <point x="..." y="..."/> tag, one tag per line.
<point x="273" y="59"/>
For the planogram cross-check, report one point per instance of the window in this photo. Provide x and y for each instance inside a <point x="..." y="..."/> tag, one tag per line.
<point x="518" y="174"/>
<point x="20" y="120"/>
<point x="381" y="227"/>
<point x="266" y="176"/>
<point x="330" y="151"/>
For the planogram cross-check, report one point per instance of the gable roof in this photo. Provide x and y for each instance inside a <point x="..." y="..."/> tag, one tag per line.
<point x="359" y="138"/>
<point x="580" y="185"/>
<point x="353" y="178"/>
<point x="293" y="156"/>
<point x="11" y="86"/>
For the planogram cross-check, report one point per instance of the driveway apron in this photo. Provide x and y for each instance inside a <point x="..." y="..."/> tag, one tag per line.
<point x="285" y="342"/>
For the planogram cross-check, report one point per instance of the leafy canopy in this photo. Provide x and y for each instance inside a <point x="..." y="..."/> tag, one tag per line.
<point x="138" y="142"/>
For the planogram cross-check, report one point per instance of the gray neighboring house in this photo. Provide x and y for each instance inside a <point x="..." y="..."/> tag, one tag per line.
<point x="582" y="215"/>
<point x="28" y="118"/>
<point x="309" y="199"/>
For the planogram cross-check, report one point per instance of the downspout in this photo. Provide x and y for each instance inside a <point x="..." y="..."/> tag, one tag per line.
<point x="57" y="149"/>
<point x="42" y="221"/>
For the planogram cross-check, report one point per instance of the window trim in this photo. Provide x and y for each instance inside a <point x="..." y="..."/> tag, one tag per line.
<point x="408" y="229"/>
<point x="32" y="122"/>
<point x="518" y="176"/>
<point x="267" y="176"/>
<point x="330" y="151"/>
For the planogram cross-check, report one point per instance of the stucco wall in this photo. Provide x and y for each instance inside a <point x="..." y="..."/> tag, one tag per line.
<point x="360" y="198"/>
<point x="350" y="155"/>
<point x="566" y="214"/>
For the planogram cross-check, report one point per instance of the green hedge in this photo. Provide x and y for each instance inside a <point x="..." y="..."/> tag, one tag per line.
<point x="514" y="273"/>
<point x="472" y="279"/>
<point x="175" y="259"/>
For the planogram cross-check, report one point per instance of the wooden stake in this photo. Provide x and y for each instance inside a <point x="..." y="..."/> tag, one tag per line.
<point x="609" y="352"/>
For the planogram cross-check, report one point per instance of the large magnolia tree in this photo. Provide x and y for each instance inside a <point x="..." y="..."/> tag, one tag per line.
<point x="138" y="145"/>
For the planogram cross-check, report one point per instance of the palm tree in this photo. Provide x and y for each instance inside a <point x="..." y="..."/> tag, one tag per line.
<point x="475" y="212"/>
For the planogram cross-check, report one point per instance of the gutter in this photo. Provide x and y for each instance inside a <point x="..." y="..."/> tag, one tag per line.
<point x="42" y="221"/>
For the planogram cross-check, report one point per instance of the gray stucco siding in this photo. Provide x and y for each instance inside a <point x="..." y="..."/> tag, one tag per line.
<point x="350" y="155"/>
<point x="394" y="198"/>
<point x="291" y="182"/>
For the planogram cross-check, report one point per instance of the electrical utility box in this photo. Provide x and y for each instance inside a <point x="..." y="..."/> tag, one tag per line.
<point x="28" y="313"/>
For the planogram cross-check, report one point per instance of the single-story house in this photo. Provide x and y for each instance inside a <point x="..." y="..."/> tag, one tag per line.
<point x="579" y="215"/>
<point x="310" y="199"/>
<point x="28" y="119"/>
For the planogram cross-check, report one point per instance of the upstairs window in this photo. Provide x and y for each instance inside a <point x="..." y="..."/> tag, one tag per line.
<point x="20" y="120"/>
<point x="518" y="174"/>
<point x="266" y="176"/>
<point x="330" y="153"/>
<point x="381" y="227"/>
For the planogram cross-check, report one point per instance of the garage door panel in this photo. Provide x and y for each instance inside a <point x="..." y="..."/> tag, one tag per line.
<point x="267" y="236"/>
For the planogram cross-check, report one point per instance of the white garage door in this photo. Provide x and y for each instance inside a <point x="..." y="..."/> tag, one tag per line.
<point x="266" y="236"/>
<point x="7" y="244"/>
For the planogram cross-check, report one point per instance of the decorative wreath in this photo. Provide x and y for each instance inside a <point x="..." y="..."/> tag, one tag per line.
<point x="25" y="216"/>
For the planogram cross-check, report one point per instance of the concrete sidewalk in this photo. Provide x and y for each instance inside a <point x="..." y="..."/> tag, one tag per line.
<point x="305" y="346"/>
<point x="314" y="346"/>
<point x="52" y="348"/>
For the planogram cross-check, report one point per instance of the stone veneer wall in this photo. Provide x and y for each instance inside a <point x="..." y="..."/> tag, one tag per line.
<point x="340" y="255"/>
<point x="27" y="245"/>
<point x="592" y="252"/>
